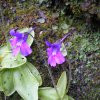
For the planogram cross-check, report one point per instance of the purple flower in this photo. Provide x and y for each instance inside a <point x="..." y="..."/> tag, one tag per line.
<point x="19" y="44"/>
<point x="57" y="51"/>
<point x="55" y="56"/>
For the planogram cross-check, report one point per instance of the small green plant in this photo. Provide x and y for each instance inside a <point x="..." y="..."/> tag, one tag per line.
<point x="17" y="74"/>
<point x="49" y="93"/>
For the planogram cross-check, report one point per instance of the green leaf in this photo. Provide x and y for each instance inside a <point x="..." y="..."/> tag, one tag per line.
<point x="66" y="97"/>
<point x="9" y="61"/>
<point x="30" y="38"/>
<point x="3" y="52"/>
<point x="35" y="72"/>
<point x="7" y="82"/>
<point x="63" y="49"/>
<point x="48" y="93"/>
<point x="31" y="35"/>
<point x="61" y="85"/>
<point x="70" y="98"/>
<point x="25" y="83"/>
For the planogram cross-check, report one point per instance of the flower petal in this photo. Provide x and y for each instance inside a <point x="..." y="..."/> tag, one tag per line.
<point x="12" y="32"/>
<point x="19" y="35"/>
<point x="25" y="37"/>
<point x="25" y="49"/>
<point x="49" y="51"/>
<point x="13" y="42"/>
<point x="16" y="33"/>
<point x="59" y="58"/>
<point x="55" y="56"/>
<point x="16" y="51"/>
<point x="52" y="61"/>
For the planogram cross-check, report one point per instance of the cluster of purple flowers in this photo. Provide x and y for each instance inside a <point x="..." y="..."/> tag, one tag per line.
<point x="19" y="44"/>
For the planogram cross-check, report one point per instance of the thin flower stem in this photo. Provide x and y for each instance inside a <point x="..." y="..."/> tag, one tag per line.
<point x="69" y="74"/>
